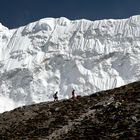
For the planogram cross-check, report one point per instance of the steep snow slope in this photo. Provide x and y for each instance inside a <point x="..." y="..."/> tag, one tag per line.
<point x="58" y="55"/>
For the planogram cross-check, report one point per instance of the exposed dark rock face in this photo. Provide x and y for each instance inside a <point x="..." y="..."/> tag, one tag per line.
<point x="107" y="115"/>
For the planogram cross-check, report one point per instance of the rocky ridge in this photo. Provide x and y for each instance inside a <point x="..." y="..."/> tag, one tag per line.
<point x="112" y="114"/>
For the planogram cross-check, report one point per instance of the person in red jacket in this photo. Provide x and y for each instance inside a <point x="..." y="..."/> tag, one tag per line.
<point x="73" y="95"/>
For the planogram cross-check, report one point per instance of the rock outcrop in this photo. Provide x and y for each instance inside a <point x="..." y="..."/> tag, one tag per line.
<point x="107" y="115"/>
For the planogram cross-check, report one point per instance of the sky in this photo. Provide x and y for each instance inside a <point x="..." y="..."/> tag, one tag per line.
<point x="16" y="13"/>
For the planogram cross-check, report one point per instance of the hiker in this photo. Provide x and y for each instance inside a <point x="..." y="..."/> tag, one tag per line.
<point x="73" y="95"/>
<point x="55" y="96"/>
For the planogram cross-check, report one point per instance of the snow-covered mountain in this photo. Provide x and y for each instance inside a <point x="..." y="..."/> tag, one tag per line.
<point x="60" y="55"/>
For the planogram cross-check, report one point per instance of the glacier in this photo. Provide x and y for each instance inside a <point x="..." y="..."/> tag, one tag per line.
<point x="58" y="54"/>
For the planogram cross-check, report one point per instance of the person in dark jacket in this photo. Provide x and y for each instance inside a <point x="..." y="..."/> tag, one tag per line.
<point x="55" y="96"/>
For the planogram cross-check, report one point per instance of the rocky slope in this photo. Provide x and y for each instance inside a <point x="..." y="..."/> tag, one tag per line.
<point x="58" y="55"/>
<point x="107" y="115"/>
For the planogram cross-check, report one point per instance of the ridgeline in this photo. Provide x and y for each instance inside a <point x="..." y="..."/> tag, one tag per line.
<point x="107" y="115"/>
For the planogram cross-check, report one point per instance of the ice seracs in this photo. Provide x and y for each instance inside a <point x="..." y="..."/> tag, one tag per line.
<point x="60" y="55"/>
